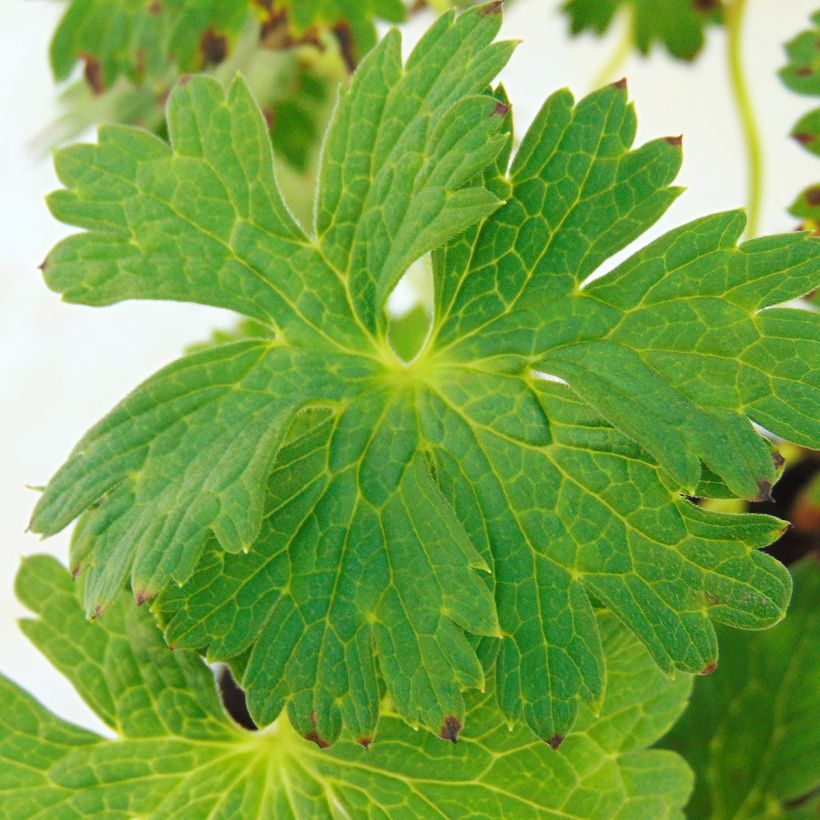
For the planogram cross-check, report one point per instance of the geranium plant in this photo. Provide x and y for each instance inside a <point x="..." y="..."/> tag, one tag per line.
<point x="484" y="524"/>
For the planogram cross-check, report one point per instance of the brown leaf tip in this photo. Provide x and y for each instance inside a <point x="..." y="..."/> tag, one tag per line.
<point x="142" y="597"/>
<point x="43" y="265"/>
<point x="619" y="85"/>
<point x="777" y="459"/>
<point x="804" y="139"/>
<point x="677" y="141"/>
<point x="764" y="492"/>
<point x="709" y="668"/>
<point x="365" y="742"/>
<point x="497" y="7"/>
<point x="501" y="110"/>
<point x="450" y="729"/>
<point x="317" y="739"/>
<point x="555" y="741"/>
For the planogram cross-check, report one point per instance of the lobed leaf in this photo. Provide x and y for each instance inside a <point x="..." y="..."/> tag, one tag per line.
<point x="750" y="731"/>
<point x="678" y="24"/>
<point x="176" y="753"/>
<point x="369" y="534"/>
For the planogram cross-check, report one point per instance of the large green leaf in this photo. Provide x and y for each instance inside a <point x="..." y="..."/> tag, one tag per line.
<point x="751" y="732"/>
<point x="426" y="473"/>
<point x="176" y="753"/>
<point x="678" y="24"/>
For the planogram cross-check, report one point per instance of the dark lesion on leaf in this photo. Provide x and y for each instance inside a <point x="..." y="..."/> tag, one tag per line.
<point x="316" y="738"/>
<point x="708" y="669"/>
<point x="764" y="491"/>
<point x="365" y="742"/>
<point x="813" y="196"/>
<point x="676" y="141"/>
<point x="347" y="45"/>
<point x="214" y="47"/>
<point x="93" y="73"/>
<point x="450" y="729"/>
<point x="705" y="6"/>
<point x="619" y="85"/>
<point x="555" y="741"/>
<point x="155" y="7"/>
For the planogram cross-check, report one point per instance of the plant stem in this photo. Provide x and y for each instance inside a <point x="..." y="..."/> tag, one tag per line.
<point x="751" y="135"/>
<point x="607" y="72"/>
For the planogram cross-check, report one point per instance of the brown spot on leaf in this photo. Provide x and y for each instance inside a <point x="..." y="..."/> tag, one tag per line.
<point x="712" y="599"/>
<point x="492" y="8"/>
<point x="270" y="116"/>
<point x="619" y="85"/>
<point x="764" y="491"/>
<point x="803" y="71"/>
<point x="675" y="140"/>
<point x="98" y="611"/>
<point x="705" y="5"/>
<point x="93" y="73"/>
<point x="347" y="46"/>
<point x="804" y="139"/>
<point x="450" y="729"/>
<point x="185" y="79"/>
<point x="142" y="597"/>
<point x="214" y="47"/>
<point x="43" y="265"/>
<point x="813" y="196"/>
<point x="777" y="459"/>
<point x="76" y="570"/>
<point x="319" y="741"/>
<point x="365" y="742"/>
<point x="155" y="7"/>
<point x="501" y="110"/>
<point x="555" y="741"/>
<point x="709" y="668"/>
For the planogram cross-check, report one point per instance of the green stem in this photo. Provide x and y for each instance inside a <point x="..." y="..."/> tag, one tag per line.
<point x="734" y="23"/>
<point x="607" y="72"/>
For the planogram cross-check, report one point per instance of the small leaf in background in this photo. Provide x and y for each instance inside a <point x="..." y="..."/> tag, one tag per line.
<point x="677" y="24"/>
<point x="751" y="731"/>
<point x="176" y="752"/>
<point x="802" y="74"/>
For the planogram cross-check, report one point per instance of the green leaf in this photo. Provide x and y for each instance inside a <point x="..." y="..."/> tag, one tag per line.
<point x="372" y="535"/>
<point x="751" y="730"/>
<point x="142" y="40"/>
<point x="176" y="752"/>
<point x="678" y="24"/>
<point x="802" y="74"/>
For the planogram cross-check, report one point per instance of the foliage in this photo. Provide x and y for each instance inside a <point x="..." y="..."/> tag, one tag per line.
<point x="176" y="753"/>
<point x="802" y="74"/>
<point x="360" y="551"/>
<point x="678" y="24"/>
<point x="751" y="730"/>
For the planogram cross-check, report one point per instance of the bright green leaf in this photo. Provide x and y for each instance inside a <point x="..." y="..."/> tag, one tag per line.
<point x="678" y="24"/>
<point x="177" y="754"/>
<point x="751" y="732"/>
<point x="376" y="538"/>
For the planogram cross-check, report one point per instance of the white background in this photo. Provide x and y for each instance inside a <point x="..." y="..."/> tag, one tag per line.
<point x="63" y="366"/>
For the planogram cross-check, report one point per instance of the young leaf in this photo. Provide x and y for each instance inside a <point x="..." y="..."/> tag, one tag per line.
<point x="751" y="730"/>
<point x="802" y="74"/>
<point x="176" y="752"/>
<point x="465" y="458"/>
<point x="678" y="24"/>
